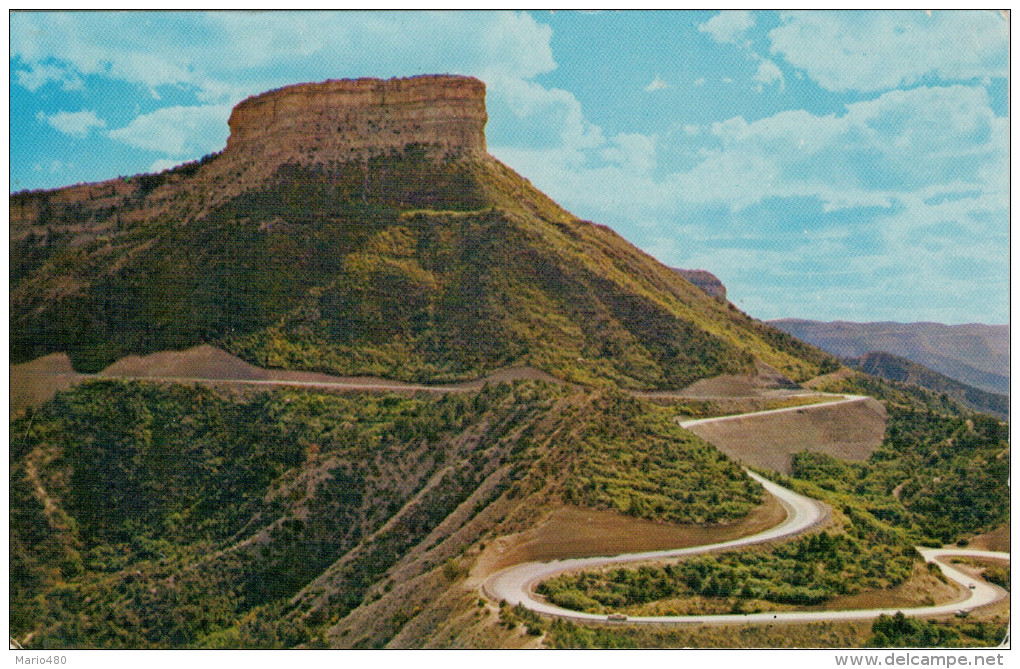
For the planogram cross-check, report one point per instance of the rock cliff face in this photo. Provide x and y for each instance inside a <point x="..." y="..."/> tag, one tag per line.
<point x="341" y="120"/>
<point x="706" y="281"/>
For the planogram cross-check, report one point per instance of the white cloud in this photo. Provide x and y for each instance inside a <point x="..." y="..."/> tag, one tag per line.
<point x="76" y="124"/>
<point x="727" y="26"/>
<point x="545" y="116"/>
<point x="700" y="81"/>
<point x="769" y="73"/>
<point x="635" y="152"/>
<point x="163" y="164"/>
<point x="177" y="131"/>
<point x="515" y="45"/>
<point x="225" y="56"/>
<point x="878" y="50"/>
<point x="657" y="84"/>
<point x="898" y="143"/>
<point x="917" y="158"/>
<point x="36" y="76"/>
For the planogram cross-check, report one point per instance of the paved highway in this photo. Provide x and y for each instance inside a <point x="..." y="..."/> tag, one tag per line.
<point x="847" y="399"/>
<point x="516" y="584"/>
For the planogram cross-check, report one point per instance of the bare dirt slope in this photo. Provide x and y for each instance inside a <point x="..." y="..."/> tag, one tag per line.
<point x="765" y="382"/>
<point x="200" y="362"/>
<point x="571" y="531"/>
<point x="37" y="381"/>
<point x="848" y="430"/>
<point x="33" y="383"/>
<point x="996" y="540"/>
<point x="209" y="362"/>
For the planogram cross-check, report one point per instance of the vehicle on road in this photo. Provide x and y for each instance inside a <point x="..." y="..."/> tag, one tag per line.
<point x="616" y="617"/>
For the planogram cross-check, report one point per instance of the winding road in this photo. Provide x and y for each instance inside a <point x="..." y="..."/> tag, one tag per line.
<point x="847" y="399"/>
<point x="516" y="584"/>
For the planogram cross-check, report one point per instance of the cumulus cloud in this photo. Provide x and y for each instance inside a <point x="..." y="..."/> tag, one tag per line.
<point x="76" y="124"/>
<point x="225" y="56"/>
<point x="37" y="75"/>
<point x="634" y="151"/>
<point x="769" y="73"/>
<point x="880" y="50"/>
<point x="542" y="117"/>
<point x="728" y="27"/>
<point x="177" y="131"/>
<point x="222" y="57"/>
<point x="899" y="142"/>
<point x="873" y="200"/>
<point x="657" y="84"/>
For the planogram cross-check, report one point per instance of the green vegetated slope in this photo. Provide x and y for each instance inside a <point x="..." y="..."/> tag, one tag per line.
<point x="895" y="631"/>
<point x="806" y="571"/>
<point x="149" y="515"/>
<point x="403" y="266"/>
<point x="895" y="368"/>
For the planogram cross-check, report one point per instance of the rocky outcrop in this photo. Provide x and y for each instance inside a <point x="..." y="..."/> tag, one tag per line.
<point x="326" y="123"/>
<point x="341" y="120"/>
<point x="706" y="281"/>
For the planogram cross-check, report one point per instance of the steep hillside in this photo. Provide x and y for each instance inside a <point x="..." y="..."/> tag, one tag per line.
<point x="975" y="354"/>
<point x="359" y="227"/>
<point x="894" y="368"/>
<point x="266" y="519"/>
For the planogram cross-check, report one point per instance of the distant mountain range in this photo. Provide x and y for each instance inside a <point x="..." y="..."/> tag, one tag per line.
<point x="896" y="368"/>
<point x="974" y="354"/>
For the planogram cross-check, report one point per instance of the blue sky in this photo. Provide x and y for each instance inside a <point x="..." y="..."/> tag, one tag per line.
<point x="824" y="165"/>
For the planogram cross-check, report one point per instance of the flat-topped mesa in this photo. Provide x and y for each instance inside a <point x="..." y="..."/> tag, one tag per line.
<point x="351" y="119"/>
